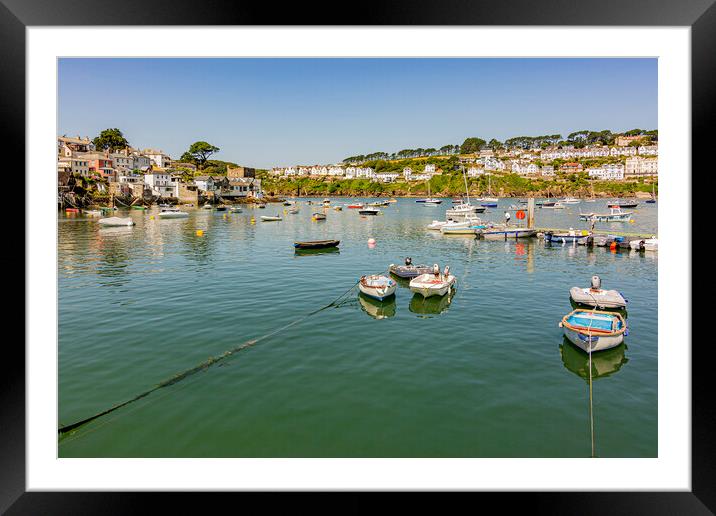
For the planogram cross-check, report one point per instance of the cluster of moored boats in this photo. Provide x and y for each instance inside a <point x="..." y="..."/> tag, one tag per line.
<point x="424" y="280"/>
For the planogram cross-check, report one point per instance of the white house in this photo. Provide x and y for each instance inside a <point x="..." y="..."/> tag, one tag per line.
<point x="429" y="168"/>
<point x="386" y="177"/>
<point x="611" y="171"/>
<point x="475" y="172"/>
<point x="648" y="150"/>
<point x="204" y="183"/>
<point x="547" y="171"/>
<point x="161" y="184"/>
<point x="638" y="166"/>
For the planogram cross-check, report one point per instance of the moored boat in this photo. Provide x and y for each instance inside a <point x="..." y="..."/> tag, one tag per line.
<point x="507" y="233"/>
<point x="318" y="216"/>
<point x="116" y="221"/>
<point x="623" y="204"/>
<point x="614" y="215"/>
<point x="172" y="213"/>
<point x="377" y="286"/>
<point x="356" y="206"/>
<point x="316" y="244"/>
<point x="408" y="270"/>
<point x="235" y="209"/>
<point x="269" y="218"/>
<point x="645" y="244"/>
<point x="566" y="238"/>
<point x="596" y="296"/>
<point x="369" y="211"/>
<point x="594" y="330"/>
<point x="434" y="283"/>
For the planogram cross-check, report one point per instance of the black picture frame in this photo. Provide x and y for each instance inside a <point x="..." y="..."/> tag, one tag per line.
<point x="700" y="15"/>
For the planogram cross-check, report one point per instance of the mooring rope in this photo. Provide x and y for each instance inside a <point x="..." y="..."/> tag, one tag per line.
<point x="206" y="364"/>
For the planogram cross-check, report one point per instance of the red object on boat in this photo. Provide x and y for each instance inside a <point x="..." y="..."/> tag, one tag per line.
<point x="355" y="206"/>
<point x="520" y="214"/>
<point x="72" y="210"/>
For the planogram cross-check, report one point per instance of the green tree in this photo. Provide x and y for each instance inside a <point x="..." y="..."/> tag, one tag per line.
<point x="471" y="145"/>
<point x="111" y="140"/>
<point x="201" y="151"/>
<point x="495" y="144"/>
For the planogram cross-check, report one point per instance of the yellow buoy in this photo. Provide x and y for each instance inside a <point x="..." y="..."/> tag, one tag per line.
<point x="199" y="232"/>
<point x="151" y="217"/>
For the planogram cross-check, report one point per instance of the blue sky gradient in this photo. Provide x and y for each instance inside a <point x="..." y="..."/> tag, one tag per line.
<point x="277" y="112"/>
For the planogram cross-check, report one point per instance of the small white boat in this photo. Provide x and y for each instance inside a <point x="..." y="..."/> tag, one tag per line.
<point x="369" y="211"/>
<point x="464" y="209"/>
<point x="596" y="296"/>
<point x="116" y="221"/>
<point x="432" y="204"/>
<point x="437" y="224"/>
<point x="570" y="200"/>
<point x="207" y="206"/>
<point x="433" y="284"/>
<point x="377" y="286"/>
<point x="92" y="213"/>
<point x="647" y="244"/>
<point x="594" y="330"/>
<point x="235" y="209"/>
<point x="614" y="215"/>
<point x="269" y="218"/>
<point x="472" y="225"/>
<point x="172" y="213"/>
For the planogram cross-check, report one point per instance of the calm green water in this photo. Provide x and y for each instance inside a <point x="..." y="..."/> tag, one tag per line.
<point x="486" y="373"/>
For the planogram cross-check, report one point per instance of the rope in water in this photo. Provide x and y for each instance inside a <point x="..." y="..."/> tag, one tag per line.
<point x="206" y="364"/>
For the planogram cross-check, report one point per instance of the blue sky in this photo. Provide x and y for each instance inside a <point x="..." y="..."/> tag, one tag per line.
<point x="274" y="112"/>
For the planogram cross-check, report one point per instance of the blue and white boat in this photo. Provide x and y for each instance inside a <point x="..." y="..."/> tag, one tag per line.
<point x="594" y="330"/>
<point x="571" y="237"/>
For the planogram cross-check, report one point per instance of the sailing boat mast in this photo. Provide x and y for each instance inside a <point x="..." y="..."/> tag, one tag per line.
<point x="467" y="191"/>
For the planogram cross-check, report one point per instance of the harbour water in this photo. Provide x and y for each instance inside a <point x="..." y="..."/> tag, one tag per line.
<point x="485" y="373"/>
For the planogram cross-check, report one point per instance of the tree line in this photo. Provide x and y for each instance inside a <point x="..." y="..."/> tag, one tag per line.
<point x="471" y="145"/>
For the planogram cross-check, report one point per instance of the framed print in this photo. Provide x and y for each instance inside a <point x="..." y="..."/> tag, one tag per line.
<point x="450" y="256"/>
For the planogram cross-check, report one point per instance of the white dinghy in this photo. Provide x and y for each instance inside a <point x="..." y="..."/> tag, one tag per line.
<point x="596" y="296"/>
<point x="377" y="286"/>
<point x="116" y="221"/>
<point x="433" y="284"/>
<point x="648" y="244"/>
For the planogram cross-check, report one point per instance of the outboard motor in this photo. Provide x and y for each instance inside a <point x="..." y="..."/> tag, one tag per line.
<point x="408" y="261"/>
<point x="436" y="269"/>
<point x="596" y="282"/>
<point x="446" y="273"/>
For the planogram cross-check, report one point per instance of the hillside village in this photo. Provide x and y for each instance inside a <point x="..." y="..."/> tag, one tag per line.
<point x="146" y="175"/>
<point x="618" y="162"/>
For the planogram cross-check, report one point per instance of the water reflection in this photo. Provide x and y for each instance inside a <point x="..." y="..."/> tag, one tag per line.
<point x="604" y="363"/>
<point x="377" y="309"/>
<point x="314" y="252"/>
<point x="433" y="305"/>
<point x="113" y="254"/>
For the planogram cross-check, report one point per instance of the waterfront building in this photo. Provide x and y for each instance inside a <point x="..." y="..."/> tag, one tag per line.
<point x="240" y="187"/>
<point x="429" y="168"/>
<point x="204" y="183"/>
<point x="238" y="172"/>
<point x="547" y="171"/>
<point x="639" y="166"/>
<point x="99" y="164"/>
<point x="475" y="171"/>
<point x="161" y="184"/>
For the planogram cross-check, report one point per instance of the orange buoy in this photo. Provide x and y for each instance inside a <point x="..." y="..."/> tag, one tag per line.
<point x="520" y="214"/>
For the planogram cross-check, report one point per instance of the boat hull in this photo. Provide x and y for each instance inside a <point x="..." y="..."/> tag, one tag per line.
<point x="509" y="234"/>
<point x="409" y="271"/>
<point x="593" y="330"/>
<point x="427" y="286"/>
<point x="564" y="239"/>
<point x="595" y="342"/>
<point x="174" y="215"/>
<point x="316" y="244"/>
